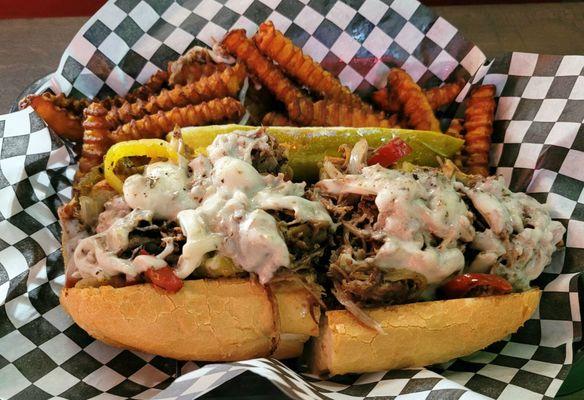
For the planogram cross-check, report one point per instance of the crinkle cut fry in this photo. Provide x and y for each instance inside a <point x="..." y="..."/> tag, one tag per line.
<point x="455" y="128"/>
<point x="237" y="44"/>
<point x="381" y="98"/>
<point x="157" y="125"/>
<point x="302" y="67"/>
<point x="154" y="84"/>
<point x="330" y="113"/>
<point x="386" y="99"/>
<point x="96" y="139"/>
<point x="479" y="117"/>
<point x="218" y="85"/>
<point x="415" y="105"/>
<point x="192" y="66"/>
<point x="61" y="120"/>
<point x="275" y="118"/>
<point x="443" y="95"/>
<point x="75" y="106"/>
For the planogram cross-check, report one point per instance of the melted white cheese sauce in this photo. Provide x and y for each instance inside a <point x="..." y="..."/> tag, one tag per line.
<point x="164" y="188"/>
<point x="96" y="256"/>
<point x="238" y="144"/>
<point x="114" y="209"/>
<point x="221" y="206"/>
<point x="422" y="221"/>
<point x="517" y="244"/>
<point x="232" y="219"/>
<point x="521" y="233"/>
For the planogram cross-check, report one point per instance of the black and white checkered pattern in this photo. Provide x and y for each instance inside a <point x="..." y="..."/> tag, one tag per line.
<point x="539" y="140"/>
<point x="42" y="353"/>
<point x="357" y="40"/>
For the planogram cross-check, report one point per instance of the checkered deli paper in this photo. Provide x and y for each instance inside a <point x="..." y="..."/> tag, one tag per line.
<point x="538" y="148"/>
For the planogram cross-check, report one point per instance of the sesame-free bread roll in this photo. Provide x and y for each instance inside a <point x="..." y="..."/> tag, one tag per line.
<point x="417" y="334"/>
<point x="207" y="320"/>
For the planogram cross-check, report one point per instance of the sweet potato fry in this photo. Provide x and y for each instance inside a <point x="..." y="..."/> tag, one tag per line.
<point x="237" y="43"/>
<point x="330" y="113"/>
<point x="415" y="105"/>
<point x="443" y="95"/>
<point x="302" y="67"/>
<point x="455" y="128"/>
<point x="381" y="98"/>
<point x="96" y="139"/>
<point x="438" y="97"/>
<point x="62" y="121"/>
<point x="74" y="106"/>
<point x="276" y="119"/>
<point x="479" y="117"/>
<point x="192" y="66"/>
<point x="218" y="85"/>
<point x="152" y="86"/>
<point x="157" y="125"/>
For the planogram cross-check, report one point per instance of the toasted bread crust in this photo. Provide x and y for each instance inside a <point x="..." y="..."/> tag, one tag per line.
<point x="207" y="320"/>
<point x="417" y="334"/>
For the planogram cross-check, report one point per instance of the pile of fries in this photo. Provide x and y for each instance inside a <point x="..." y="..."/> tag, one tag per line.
<point x="202" y="87"/>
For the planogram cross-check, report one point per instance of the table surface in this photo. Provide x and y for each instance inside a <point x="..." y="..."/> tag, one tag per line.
<point x="30" y="49"/>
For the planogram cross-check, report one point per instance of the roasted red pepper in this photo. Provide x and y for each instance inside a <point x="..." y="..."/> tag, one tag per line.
<point x="480" y="284"/>
<point x="390" y="153"/>
<point x="164" y="278"/>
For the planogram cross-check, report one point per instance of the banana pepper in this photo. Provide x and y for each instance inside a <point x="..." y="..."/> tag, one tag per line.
<point x="153" y="148"/>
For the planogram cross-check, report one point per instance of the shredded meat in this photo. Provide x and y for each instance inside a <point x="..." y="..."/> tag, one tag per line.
<point x="307" y="241"/>
<point x="368" y="285"/>
<point x="149" y="237"/>
<point x="351" y="268"/>
<point x="272" y="159"/>
<point x="352" y="159"/>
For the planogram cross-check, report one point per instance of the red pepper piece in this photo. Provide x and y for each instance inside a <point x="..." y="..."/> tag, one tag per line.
<point x="461" y="285"/>
<point x="164" y="278"/>
<point x="390" y="153"/>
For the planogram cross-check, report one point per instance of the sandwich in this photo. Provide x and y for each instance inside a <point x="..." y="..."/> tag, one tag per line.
<point x="206" y="258"/>
<point x="219" y="254"/>
<point x="428" y="264"/>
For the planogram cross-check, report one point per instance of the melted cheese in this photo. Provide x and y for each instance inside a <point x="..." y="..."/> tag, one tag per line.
<point x="238" y="144"/>
<point x="232" y="219"/>
<point x="96" y="256"/>
<point x="221" y="207"/>
<point x="199" y="242"/>
<point x="422" y="221"/>
<point x="414" y="211"/>
<point x="164" y="189"/>
<point x="521" y="233"/>
<point x="146" y="261"/>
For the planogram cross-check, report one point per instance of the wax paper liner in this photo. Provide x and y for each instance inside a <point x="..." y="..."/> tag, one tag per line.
<point x="538" y="147"/>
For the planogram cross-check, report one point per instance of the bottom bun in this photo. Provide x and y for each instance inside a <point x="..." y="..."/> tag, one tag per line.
<point x="207" y="320"/>
<point x="417" y="334"/>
